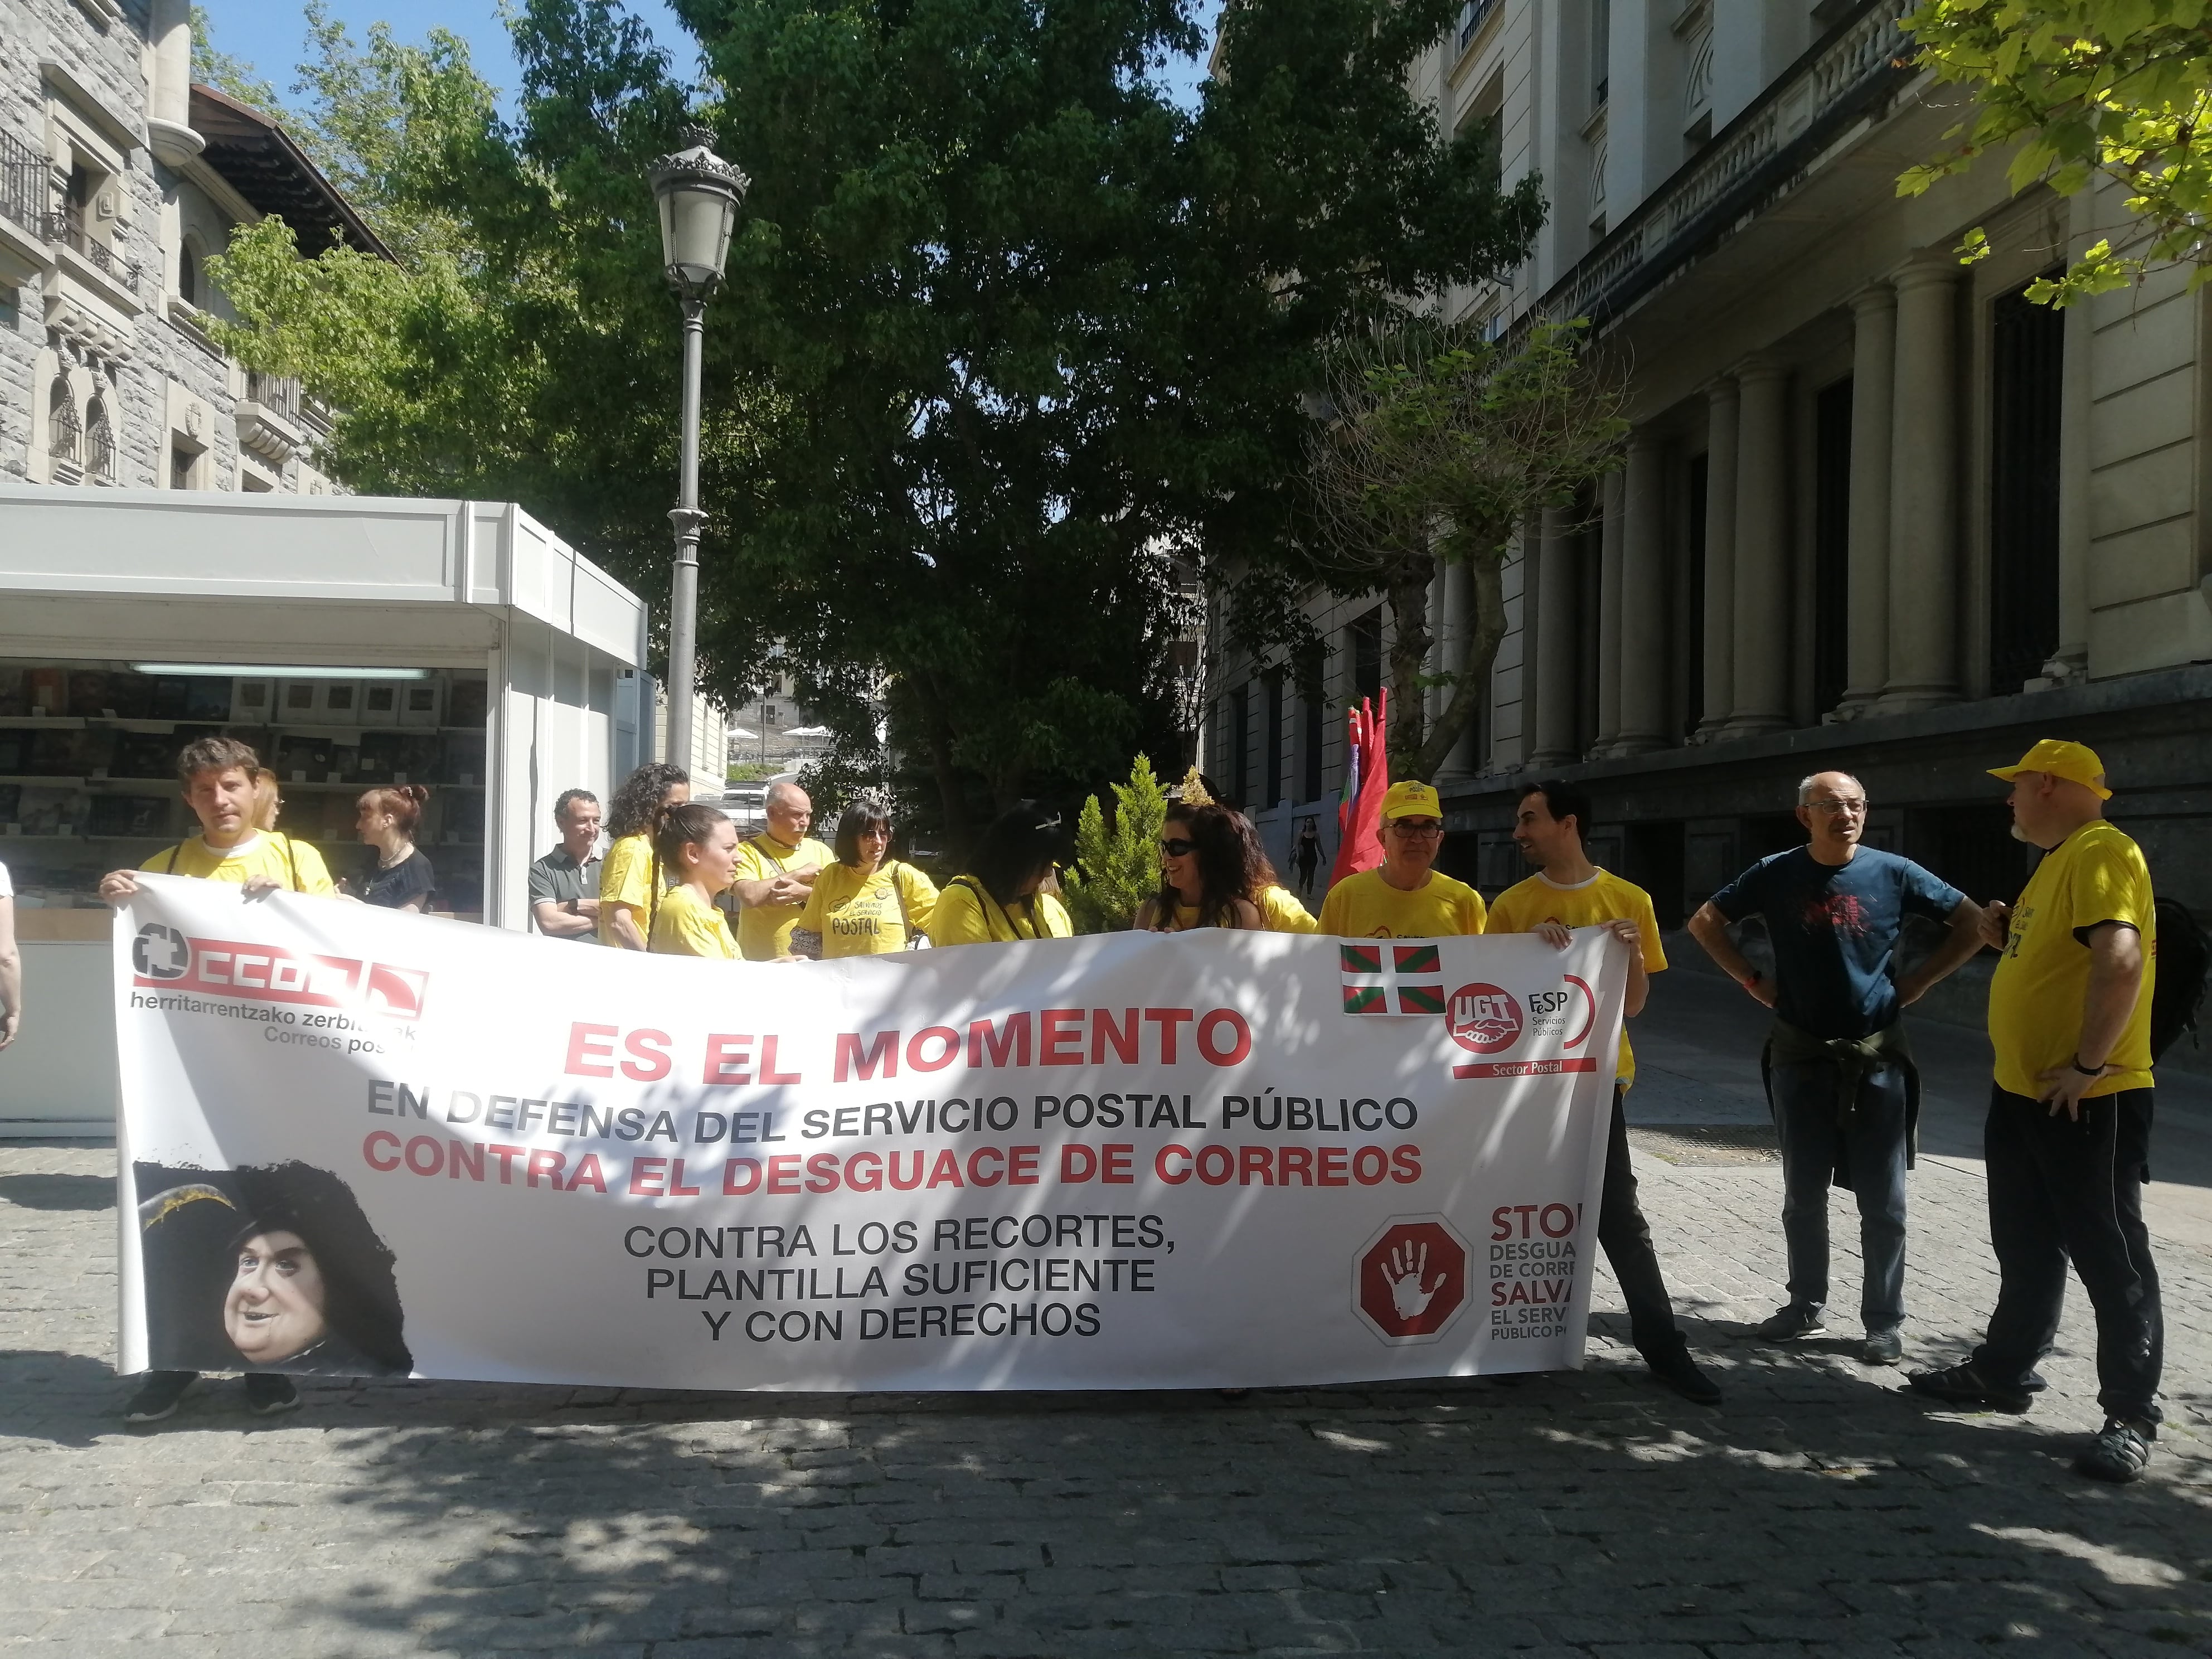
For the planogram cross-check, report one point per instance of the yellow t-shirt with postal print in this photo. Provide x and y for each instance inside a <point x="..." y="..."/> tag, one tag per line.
<point x="2097" y="874"/>
<point x="859" y="916"/>
<point x="1604" y="897"/>
<point x="1364" y="906"/>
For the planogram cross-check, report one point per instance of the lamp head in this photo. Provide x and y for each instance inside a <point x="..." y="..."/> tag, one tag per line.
<point x="698" y="193"/>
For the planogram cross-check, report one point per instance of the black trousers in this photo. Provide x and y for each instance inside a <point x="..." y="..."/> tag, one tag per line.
<point x="1627" y="1238"/>
<point x="2064" y="1191"/>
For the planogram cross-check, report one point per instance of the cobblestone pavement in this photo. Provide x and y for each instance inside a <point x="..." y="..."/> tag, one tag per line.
<point x="1819" y="1510"/>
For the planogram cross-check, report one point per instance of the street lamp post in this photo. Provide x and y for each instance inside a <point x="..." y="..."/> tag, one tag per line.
<point x="698" y="193"/>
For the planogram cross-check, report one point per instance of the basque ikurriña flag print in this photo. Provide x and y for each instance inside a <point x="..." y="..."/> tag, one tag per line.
<point x="1388" y="978"/>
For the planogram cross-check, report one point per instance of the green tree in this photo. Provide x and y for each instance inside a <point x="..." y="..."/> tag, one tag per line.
<point x="2084" y="88"/>
<point x="1437" y="448"/>
<point x="1117" y="866"/>
<point x="1010" y="344"/>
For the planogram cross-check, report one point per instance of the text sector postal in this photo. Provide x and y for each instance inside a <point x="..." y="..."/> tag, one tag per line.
<point x="371" y="1144"/>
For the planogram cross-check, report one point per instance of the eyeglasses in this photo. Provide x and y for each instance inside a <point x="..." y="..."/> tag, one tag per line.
<point x="1422" y="827"/>
<point x="1176" y="847"/>
<point x="1833" y="807"/>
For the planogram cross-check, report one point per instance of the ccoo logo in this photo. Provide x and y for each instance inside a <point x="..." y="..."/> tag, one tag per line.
<point x="161" y="952"/>
<point x="1483" y="1018"/>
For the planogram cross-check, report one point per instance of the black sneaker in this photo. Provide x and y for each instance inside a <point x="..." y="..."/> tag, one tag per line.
<point x="1678" y="1371"/>
<point x="267" y="1394"/>
<point x="158" y="1396"/>
<point x="1963" y="1385"/>
<point x="2119" y="1452"/>
<point x="1882" y="1347"/>
<point x="1791" y="1322"/>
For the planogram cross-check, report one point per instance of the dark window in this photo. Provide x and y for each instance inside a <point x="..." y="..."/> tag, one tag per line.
<point x="1694" y="634"/>
<point x="181" y="467"/>
<point x="1271" y="742"/>
<point x="1364" y="642"/>
<point x="64" y="432"/>
<point x="1312" y="720"/>
<point x="2027" y="363"/>
<point x="99" y="441"/>
<point x="188" y="274"/>
<point x="1240" y="725"/>
<point x="1832" y="537"/>
<point x="1601" y="51"/>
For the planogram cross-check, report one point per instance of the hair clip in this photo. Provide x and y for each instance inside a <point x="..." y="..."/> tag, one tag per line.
<point x="1192" y="790"/>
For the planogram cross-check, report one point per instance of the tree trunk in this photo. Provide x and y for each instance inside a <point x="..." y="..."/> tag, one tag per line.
<point x="951" y="798"/>
<point x="1468" y="687"/>
<point x="1410" y="638"/>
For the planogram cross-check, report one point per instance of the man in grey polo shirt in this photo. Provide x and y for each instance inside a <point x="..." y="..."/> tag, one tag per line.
<point x="564" y="885"/>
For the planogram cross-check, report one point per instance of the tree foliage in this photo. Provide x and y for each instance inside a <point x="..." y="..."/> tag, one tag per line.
<point x="1439" y="446"/>
<point x="2116" y="88"/>
<point x="1117" y="866"/>
<point x="1011" y="344"/>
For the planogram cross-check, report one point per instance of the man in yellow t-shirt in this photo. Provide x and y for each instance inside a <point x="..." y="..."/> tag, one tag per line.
<point x="2067" y="1146"/>
<point x="218" y="774"/>
<point x="775" y="873"/>
<point x="1566" y="892"/>
<point x="1404" y="897"/>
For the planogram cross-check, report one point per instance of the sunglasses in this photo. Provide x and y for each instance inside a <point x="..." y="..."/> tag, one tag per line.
<point x="1176" y="847"/>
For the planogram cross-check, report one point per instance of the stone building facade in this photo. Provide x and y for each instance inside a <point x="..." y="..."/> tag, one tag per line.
<point x="118" y="177"/>
<point x="1876" y="511"/>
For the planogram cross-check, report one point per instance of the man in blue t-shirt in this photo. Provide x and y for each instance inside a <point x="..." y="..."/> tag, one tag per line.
<point x="1840" y="1077"/>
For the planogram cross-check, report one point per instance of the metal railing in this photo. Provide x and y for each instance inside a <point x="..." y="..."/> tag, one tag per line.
<point x="278" y="392"/>
<point x="1760" y="156"/>
<point x="1472" y="16"/>
<point x="26" y="182"/>
<point x="67" y="228"/>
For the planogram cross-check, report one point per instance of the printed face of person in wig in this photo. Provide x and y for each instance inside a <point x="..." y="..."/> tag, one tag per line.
<point x="275" y="1306"/>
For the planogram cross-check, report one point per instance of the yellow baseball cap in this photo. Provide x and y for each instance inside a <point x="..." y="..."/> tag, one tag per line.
<point x="2075" y="762"/>
<point x="1411" y="800"/>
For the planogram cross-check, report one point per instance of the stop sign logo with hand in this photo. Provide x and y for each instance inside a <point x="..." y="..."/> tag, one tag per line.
<point x="1409" y="1284"/>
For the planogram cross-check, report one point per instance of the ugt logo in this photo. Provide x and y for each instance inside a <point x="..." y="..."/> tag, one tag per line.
<point x="1483" y="1019"/>
<point x="161" y="952"/>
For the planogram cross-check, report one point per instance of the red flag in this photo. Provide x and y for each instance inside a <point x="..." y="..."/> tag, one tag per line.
<point x="1367" y="780"/>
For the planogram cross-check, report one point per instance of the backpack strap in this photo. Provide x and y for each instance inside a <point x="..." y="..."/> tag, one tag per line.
<point x="170" y="868"/>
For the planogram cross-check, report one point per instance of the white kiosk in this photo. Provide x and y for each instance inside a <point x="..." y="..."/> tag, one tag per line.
<point x="352" y="640"/>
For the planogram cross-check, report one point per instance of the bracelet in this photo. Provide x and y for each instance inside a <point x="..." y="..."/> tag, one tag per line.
<point x="2087" y="1071"/>
<point x="1752" y="979"/>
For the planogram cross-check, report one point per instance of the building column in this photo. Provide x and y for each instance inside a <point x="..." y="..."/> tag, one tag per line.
<point x="1455" y="625"/>
<point x="169" y="131"/>
<point x="1762" y="549"/>
<point x="1874" y="379"/>
<point x="2070" y="662"/>
<point x="1719" y="597"/>
<point x="1643" y="608"/>
<point x="1552" y="726"/>
<point x="1923" y="519"/>
<point x="1609" y="614"/>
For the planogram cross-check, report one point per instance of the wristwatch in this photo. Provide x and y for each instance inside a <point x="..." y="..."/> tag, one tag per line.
<point x="2087" y="1071"/>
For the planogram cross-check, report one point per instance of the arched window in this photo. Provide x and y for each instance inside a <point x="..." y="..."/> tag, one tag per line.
<point x="188" y="273"/>
<point x="64" y="435"/>
<point x="99" y="441"/>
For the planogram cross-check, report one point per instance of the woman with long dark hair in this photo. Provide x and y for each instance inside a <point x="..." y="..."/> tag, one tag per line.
<point x="866" y="903"/>
<point x="1207" y="854"/>
<point x="626" y="873"/>
<point x="695" y="848"/>
<point x="998" y="898"/>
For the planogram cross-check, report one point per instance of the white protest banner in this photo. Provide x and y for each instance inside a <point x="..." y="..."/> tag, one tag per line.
<point x="362" y="1142"/>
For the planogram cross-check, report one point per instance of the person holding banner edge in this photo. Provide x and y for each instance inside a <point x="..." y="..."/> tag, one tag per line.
<point x="1569" y="891"/>
<point x="1405" y="897"/>
<point x="1840" y="1078"/>
<point x="219" y="776"/>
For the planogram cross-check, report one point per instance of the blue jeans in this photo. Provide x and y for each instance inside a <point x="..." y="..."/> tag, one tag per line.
<point x="1812" y="1141"/>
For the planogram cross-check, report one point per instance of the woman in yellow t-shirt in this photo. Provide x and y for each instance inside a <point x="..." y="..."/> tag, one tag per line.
<point x="626" y="874"/>
<point x="1208" y="863"/>
<point x="866" y="903"/>
<point x="697" y="845"/>
<point x="996" y="900"/>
